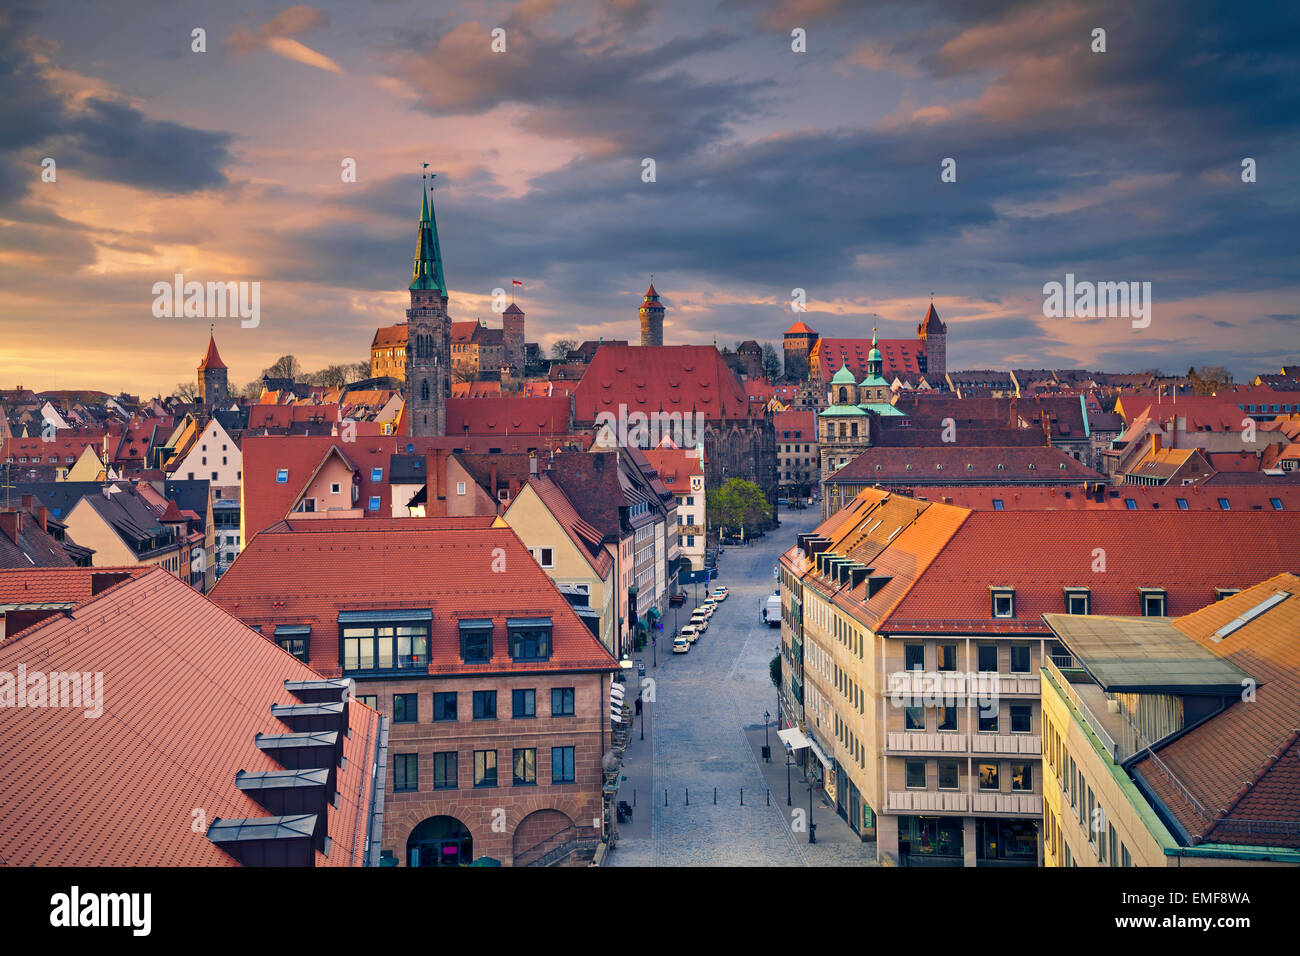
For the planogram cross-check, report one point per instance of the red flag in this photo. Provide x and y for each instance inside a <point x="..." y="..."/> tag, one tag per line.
<point x="516" y="282"/>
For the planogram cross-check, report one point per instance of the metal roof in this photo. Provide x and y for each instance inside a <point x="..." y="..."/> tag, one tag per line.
<point x="1126" y="654"/>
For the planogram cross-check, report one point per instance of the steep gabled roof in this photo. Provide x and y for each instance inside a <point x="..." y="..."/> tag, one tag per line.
<point x="673" y="379"/>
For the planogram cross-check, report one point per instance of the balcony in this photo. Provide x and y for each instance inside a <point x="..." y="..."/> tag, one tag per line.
<point x="1025" y="744"/>
<point x="1021" y="804"/>
<point x="928" y="801"/>
<point x="909" y="742"/>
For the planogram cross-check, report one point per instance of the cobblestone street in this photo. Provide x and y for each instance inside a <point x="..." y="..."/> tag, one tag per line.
<point x="704" y="730"/>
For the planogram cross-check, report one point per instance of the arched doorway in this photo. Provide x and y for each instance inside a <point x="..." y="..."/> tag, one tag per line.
<point x="543" y="838"/>
<point x="440" y="841"/>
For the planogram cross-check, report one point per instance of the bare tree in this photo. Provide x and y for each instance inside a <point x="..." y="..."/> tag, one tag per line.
<point x="286" y="366"/>
<point x="187" y="392"/>
<point x="771" y="362"/>
<point x="561" y="349"/>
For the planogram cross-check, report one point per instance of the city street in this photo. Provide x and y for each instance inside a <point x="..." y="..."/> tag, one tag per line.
<point x="704" y="733"/>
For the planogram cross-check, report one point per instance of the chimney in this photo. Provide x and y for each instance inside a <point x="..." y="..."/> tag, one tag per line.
<point x="1155" y="442"/>
<point x="11" y="523"/>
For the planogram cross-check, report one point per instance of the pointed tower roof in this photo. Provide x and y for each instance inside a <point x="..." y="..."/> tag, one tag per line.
<point x="931" y="324"/>
<point x="799" y="328"/>
<point x="211" y="359"/>
<point x="426" y="272"/>
<point x="651" y="299"/>
<point x="513" y="309"/>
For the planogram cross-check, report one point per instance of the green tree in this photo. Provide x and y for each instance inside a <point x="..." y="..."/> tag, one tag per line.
<point x="738" y="503"/>
<point x="774" y="670"/>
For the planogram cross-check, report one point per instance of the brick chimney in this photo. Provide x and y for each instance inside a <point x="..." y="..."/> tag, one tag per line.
<point x="11" y="523"/>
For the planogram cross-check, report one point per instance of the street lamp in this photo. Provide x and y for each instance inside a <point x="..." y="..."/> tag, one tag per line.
<point x="767" y="718"/>
<point x="812" y="827"/>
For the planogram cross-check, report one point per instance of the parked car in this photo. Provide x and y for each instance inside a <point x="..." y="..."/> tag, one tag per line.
<point x="700" y="621"/>
<point x="708" y="605"/>
<point x="720" y="593"/>
<point x="691" y="633"/>
<point x="681" y="644"/>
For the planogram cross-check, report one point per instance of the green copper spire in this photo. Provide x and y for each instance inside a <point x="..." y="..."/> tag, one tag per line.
<point x="427" y="270"/>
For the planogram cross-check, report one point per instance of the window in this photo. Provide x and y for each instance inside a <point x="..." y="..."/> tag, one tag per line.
<point x="295" y="640"/>
<point x="476" y="641"/>
<point x="485" y="768"/>
<point x="915" y="775"/>
<point x="913" y="657"/>
<point x="445" y="771"/>
<point x="561" y="701"/>
<point x="523" y="703"/>
<point x="526" y="767"/>
<point x="1020" y="718"/>
<point x="1153" y="602"/>
<point x="370" y="700"/>
<point x="1004" y="603"/>
<point x="1130" y="504"/>
<point x="460" y="487"/>
<point x="948" y="779"/>
<point x="444" y="706"/>
<point x="546" y="557"/>
<point x="376" y="474"/>
<point x="383" y="646"/>
<point x="1019" y="659"/>
<point x="1276" y="503"/>
<point x="562" y="765"/>
<point x="1077" y="600"/>
<point x="1127" y="860"/>
<point x="988" y="776"/>
<point x="988" y="719"/>
<point x="530" y="639"/>
<point x="334" y="487"/>
<point x="947" y="654"/>
<point x="914" y="718"/>
<point x="948" y="718"/>
<point x="374" y="502"/>
<point x="1022" y="776"/>
<point x="282" y="476"/>
<point x="1182" y="503"/>
<point x="485" y="705"/>
<point x="988" y="658"/>
<point x="405" y="708"/>
<point x="405" y="773"/>
<point x="1224" y="504"/>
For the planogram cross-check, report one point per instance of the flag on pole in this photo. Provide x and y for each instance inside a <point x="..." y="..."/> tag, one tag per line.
<point x="516" y="282"/>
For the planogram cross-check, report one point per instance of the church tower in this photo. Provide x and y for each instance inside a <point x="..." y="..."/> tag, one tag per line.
<point x="428" y="333"/>
<point x="652" y="318"/>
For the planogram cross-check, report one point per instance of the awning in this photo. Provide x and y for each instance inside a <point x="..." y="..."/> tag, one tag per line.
<point x="793" y="738"/>
<point x="616" y="702"/>
<point x="820" y="756"/>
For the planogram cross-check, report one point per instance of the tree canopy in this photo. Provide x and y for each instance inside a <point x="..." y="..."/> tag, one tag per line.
<point x="736" y="504"/>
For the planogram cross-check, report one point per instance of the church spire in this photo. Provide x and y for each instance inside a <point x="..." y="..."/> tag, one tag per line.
<point x="426" y="272"/>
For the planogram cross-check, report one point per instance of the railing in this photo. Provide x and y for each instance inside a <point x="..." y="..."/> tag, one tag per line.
<point x="1030" y="804"/>
<point x="1026" y="744"/>
<point x="903" y="741"/>
<point x="950" y="685"/>
<point x="948" y="801"/>
<point x="1084" y="711"/>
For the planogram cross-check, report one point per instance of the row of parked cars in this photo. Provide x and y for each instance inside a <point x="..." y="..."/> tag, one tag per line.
<point x="699" y="622"/>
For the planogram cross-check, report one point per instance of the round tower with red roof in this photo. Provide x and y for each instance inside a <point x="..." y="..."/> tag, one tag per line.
<point x="652" y="318"/>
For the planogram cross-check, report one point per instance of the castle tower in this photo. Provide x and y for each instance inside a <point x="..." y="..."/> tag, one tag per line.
<point x="799" y="342"/>
<point x="213" y="387"/>
<point x="652" y="318"/>
<point x="512" y="328"/>
<point x="933" y="335"/>
<point x="428" y="337"/>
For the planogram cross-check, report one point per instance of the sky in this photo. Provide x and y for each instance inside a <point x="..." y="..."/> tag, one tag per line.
<point x="774" y="170"/>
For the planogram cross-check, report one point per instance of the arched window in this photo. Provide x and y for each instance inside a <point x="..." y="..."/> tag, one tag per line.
<point x="844" y="395"/>
<point x="424" y="390"/>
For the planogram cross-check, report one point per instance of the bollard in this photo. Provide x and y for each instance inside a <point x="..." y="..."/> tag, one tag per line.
<point x="769" y="796"/>
<point x="688" y="796"/>
<point x="715" y="796"/>
<point x="634" y="798"/>
<point x="665" y="798"/>
<point x="742" y="796"/>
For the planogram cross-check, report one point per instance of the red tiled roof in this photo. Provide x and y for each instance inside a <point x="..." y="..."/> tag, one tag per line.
<point x="1144" y="497"/>
<point x="391" y="335"/>
<point x="307" y="576"/>
<point x="587" y="539"/>
<point x="522" y="415"/>
<point x="186" y="689"/>
<point x="799" y="328"/>
<point x="1038" y="553"/>
<point x="282" y="416"/>
<point x="675" y="379"/>
<point x="901" y="357"/>
<point x="265" y="501"/>
<point x="802" y="426"/>
<point x="211" y="358"/>
<point x="675" y="467"/>
<point x="953" y="463"/>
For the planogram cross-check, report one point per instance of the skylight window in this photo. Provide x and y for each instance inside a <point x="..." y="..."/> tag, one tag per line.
<point x="282" y="476"/>
<point x="1225" y="504"/>
<point x="1130" y="504"/>
<point x="1276" y="503"/>
<point x="997" y="504"/>
<point x="1182" y="504"/>
<point x="1239" y="622"/>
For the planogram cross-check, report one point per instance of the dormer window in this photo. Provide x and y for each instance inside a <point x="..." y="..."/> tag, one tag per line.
<point x="1078" y="601"/>
<point x="530" y="638"/>
<point x="476" y="641"/>
<point x="1003" y="601"/>
<point x="1153" y="602"/>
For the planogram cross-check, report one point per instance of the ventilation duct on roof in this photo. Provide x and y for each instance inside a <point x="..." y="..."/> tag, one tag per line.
<point x="874" y="584"/>
<point x="292" y="793"/>
<point x="267" y="841"/>
<point x="317" y="750"/>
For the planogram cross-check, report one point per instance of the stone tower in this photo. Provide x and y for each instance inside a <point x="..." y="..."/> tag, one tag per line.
<point x="213" y="387"/>
<point x="512" y="329"/>
<point x="652" y="318"/>
<point x="799" y="342"/>
<point x="428" y="336"/>
<point x="934" y="335"/>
